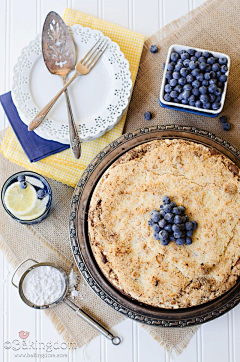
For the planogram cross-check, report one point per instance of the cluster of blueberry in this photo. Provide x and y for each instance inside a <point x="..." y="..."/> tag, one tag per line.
<point x="171" y="223"/>
<point x="196" y="79"/>
<point x="225" y="124"/>
<point x="23" y="184"/>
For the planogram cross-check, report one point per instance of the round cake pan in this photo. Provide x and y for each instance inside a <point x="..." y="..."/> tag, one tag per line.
<point x="80" y="242"/>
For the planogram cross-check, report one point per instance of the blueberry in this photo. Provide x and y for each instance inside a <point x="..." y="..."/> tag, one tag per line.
<point x="202" y="66"/>
<point x="176" y="211"/>
<point x="179" y="66"/>
<point x="204" y="98"/>
<point x="166" y="199"/>
<point x="187" y="218"/>
<point x="208" y="68"/>
<point x="188" y="241"/>
<point x="41" y="193"/>
<point x="173" y="82"/>
<point x="176" y="228"/>
<point x="211" y="60"/>
<point x="167" y="97"/>
<point x="218" y="98"/>
<point x="167" y="208"/>
<point x="224" y="68"/>
<point x="205" y="82"/>
<point x="223" y="119"/>
<point x="189" y="78"/>
<point x="212" y="88"/>
<point x="207" y="105"/>
<point x="192" y="98"/>
<point x="191" y="51"/>
<point x="163" y="234"/>
<point x="200" y="77"/>
<point x="180" y="97"/>
<point x="220" y="85"/>
<point x="164" y="242"/>
<point x="184" y="72"/>
<point x="195" y="72"/>
<point x="174" y="94"/>
<point x="215" y="67"/>
<point x="156" y="228"/>
<point x="187" y="87"/>
<point x="191" y="103"/>
<point x="212" y="74"/>
<point x="169" y="74"/>
<point x="171" y="66"/>
<point x="216" y="105"/>
<point x="203" y="90"/>
<point x="222" y="61"/>
<point x="212" y="98"/>
<point x="186" y="94"/>
<point x="148" y="115"/>
<point x="23" y="185"/>
<point x="185" y="56"/>
<point x="182" y="81"/>
<point x="176" y="100"/>
<point x="198" y="104"/>
<point x="173" y="204"/>
<point x="169" y="217"/>
<point x="182" y="51"/>
<point x="198" y="54"/>
<point x="189" y="233"/>
<point x="168" y="228"/>
<point x="177" y="219"/>
<point x="167" y="89"/>
<point x="178" y="234"/>
<point x="174" y="56"/>
<point x="206" y="54"/>
<point x="150" y="222"/>
<point x="218" y="92"/>
<point x="153" y="49"/>
<point x="202" y="60"/>
<point x="182" y="209"/>
<point x="226" y="126"/>
<point x="195" y="92"/>
<point x="207" y="76"/>
<point x="180" y="241"/>
<point x="156" y="236"/>
<point x="176" y="75"/>
<point x="223" y="78"/>
<point x="192" y="65"/>
<point x="162" y="213"/>
<point x="184" y="101"/>
<point x="155" y="215"/>
<point x="162" y="223"/>
<point x="21" y="178"/>
<point x="178" y="88"/>
<point x="186" y="62"/>
<point x="193" y="59"/>
<point x="218" y="74"/>
<point x="188" y="225"/>
<point x="195" y="224"/>
<point x="163" y="66"/>
<point x="172" y="238"/>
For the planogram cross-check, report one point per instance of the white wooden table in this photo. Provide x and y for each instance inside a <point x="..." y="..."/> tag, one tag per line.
<point x="20" y="21"/>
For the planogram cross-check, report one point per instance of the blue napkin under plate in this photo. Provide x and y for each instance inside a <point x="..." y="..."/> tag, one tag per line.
<point x="35" y="147"/>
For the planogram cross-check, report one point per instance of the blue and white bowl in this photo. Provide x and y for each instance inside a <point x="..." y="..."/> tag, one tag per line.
<point x="29" y="176"/>
<point x="188" y="108"/>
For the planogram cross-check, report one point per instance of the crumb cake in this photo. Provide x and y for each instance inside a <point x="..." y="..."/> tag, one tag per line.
<point x="172" y="276"/>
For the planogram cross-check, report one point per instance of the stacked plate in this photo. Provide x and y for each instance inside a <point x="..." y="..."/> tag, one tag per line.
<point x="98" y="99"/>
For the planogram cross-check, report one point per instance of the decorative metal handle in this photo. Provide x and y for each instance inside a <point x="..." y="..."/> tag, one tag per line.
<point x="75" y="143"/>
<point x="44" y="112"/>
<point x="115" y="339"/>
<point x="19" y="266"/>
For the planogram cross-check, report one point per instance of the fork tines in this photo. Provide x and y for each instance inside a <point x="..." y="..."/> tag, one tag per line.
<point x="93" y="55"/>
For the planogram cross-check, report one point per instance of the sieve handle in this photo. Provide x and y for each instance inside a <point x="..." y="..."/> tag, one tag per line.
<point x="115" y="339"/>
<point x="19" y="266"/>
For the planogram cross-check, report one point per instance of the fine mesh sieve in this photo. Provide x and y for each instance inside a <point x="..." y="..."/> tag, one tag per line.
<point x="62" y="298"/>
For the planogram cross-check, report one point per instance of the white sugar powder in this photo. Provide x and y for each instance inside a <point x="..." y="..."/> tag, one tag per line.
<point x="43" y="285"/>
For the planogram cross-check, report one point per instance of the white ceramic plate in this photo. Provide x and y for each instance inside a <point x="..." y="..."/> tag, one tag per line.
<point x="98" y="99"/>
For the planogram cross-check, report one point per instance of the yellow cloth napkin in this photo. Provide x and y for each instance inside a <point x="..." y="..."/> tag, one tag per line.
<point x="62" y="166"/>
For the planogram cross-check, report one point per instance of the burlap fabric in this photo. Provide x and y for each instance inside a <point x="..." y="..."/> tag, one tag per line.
<point x="215" y="26"/>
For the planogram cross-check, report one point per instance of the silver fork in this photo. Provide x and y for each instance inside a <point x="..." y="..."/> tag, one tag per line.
<point x="83" y="67"/>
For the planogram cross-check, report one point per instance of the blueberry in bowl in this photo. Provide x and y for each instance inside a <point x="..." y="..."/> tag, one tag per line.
<point x="195" y="80"/>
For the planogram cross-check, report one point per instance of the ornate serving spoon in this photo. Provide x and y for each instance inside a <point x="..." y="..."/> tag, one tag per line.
<point x="59" y="55"/>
